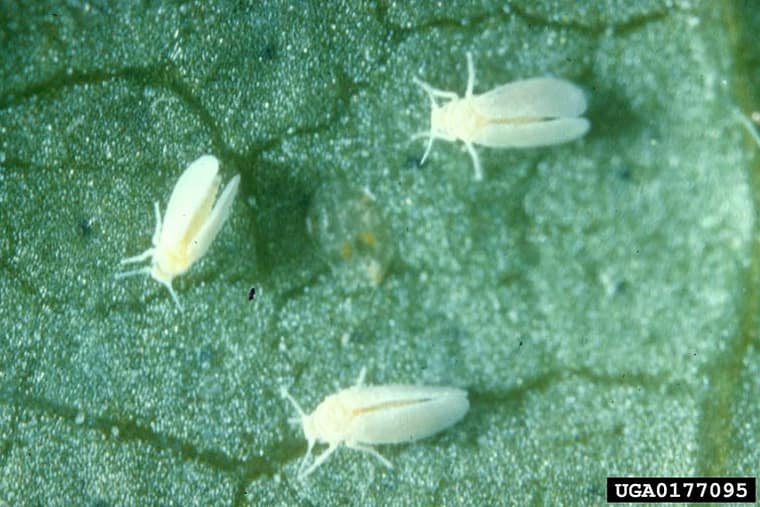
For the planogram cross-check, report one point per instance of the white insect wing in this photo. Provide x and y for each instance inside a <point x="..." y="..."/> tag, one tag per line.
<point x="195" y="189"/>
<point x="213" y="223"/>
<point x="532" y="112"/>
<point x="531" y="134"/>
<point x="394" y="414"/>
<point x="537" y="98"/>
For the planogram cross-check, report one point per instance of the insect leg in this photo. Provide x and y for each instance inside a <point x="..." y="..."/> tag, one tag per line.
<point x="420" y="135"/>
<point x="362" y="375"/>
<point x="475" y="161"/>
<point x="140" y="257"/>
<point x="317" y="462"/>
<point x="285" y="394"/>
<point x="157" y="230"/>
<point x="169" y="287"/>
<point x="369" y="450"/>
<point x="134" y="272"/>
<point x="429" y="146"/>
<point x="309" y="447"/>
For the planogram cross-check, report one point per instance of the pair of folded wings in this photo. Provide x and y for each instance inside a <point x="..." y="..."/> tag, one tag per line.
<point x="532" y="112"/>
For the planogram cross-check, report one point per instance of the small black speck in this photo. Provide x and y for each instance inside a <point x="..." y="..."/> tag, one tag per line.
<point x="521" y="343"/>
<point x="269" y="52"/>
<point x="251" y="293"/>
<point x="205" y="355"/>
<point x="85" y="227"/>
<point x="413" y="162"/>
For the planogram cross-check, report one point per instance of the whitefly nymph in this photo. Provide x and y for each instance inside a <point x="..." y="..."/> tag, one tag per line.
<point x="533" y="112"/>
<point x="190" y="223"/>
<point x="363" y="416"/>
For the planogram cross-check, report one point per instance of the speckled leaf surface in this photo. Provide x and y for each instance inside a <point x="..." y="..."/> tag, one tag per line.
<point x="598" y="299"/>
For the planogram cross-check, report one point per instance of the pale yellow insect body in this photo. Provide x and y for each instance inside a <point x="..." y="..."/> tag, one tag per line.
<point x="190" y="223"/>
<point x="528" y="113"/>
<point x="362" y="416"/>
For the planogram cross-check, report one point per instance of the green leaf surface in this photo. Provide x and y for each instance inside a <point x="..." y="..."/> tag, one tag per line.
<point x="598" y="299"/>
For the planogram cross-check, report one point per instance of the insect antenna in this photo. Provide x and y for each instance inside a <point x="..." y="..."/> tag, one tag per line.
<point x="470" y="76"/>
<point x="285" y="394"/>
<point x="134" y="272"/>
